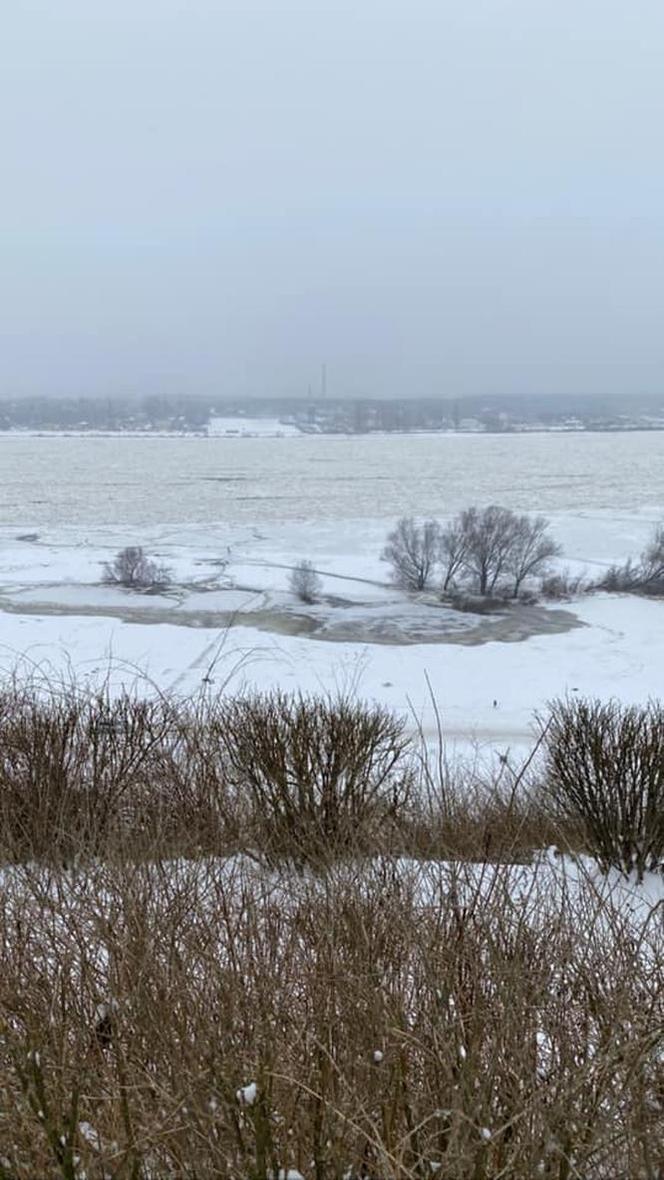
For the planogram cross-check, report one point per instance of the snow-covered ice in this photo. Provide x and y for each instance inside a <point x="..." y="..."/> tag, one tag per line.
<point x="231" y="517"/>
<point x="59" y="620"/>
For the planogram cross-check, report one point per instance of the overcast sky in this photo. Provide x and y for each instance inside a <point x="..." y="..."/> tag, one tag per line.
<point x="432" y="196"/>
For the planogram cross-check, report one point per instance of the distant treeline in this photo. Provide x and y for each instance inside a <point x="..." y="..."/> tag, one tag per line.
<point x="328" y="414"/>
<point x="104" y="413"/>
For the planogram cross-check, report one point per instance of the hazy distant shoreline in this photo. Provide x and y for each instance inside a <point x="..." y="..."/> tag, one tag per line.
<point x="327" y="434"/>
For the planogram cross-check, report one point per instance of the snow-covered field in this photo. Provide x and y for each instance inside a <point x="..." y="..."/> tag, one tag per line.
<point x="251" y="428"/>
<point x="231" y="620"/>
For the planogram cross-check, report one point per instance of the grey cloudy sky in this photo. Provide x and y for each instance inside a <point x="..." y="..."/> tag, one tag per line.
<point x="433" y="196"/>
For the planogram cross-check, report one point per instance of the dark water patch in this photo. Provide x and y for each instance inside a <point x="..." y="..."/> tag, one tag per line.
<point x="515" y="625"/>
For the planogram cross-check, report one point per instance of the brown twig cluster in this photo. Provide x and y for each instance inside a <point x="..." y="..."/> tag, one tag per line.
<point x="271" y="936"/>
<point x="202" y="1018"/>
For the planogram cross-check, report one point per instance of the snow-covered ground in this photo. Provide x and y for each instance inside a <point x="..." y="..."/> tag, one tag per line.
<point x="251" y="428"/>
<point x="57" y="618"/>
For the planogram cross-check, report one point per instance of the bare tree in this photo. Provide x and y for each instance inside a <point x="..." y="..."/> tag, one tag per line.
<point x="490" y="537"/>
<point x="452" y="551"/>
<point x="531" y="550"/>
<point x="652" y="560"/>
<point x="481" y="546"/>
<point x="645" y="576"/>
<point x="412" y="551"/>
<point x="134" y="570"/>
<point x="305" y="582"/>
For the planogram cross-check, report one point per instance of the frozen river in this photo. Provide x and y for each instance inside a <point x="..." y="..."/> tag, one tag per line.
<point x="231" y="516"/>
<point x="71" y="481"/>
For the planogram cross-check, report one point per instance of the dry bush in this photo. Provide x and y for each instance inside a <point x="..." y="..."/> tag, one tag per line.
<point x="563" y="585"/>
<point x="604" y="771"/>
<point x="199" y="1019"/>
<point x="285" y="779"/>
<point x="474" y="810"/>
<point x="323" y="777"/>
<point x="134" y="570"/>
<point x="66" y="768"/>
<point x="621" y="579"/>
<point x="384" y="1019"/>
<point x="84" y="776"/>
<point x="305" y="583"/>
<point x="483" y="821"/>
<point x="644" y="576"/>
<point x="475" y="604"/>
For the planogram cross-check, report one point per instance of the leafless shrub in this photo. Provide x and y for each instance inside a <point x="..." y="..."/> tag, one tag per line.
<point x="87" y="776"/>
<point x="132" y="569"/>
<point x="323" y="776"/>
<point x="305" y="780"/>
<point x="652" y="560"/>
<point x="388" y="1025"/>
<point x="475" y="604"/>
<point x="621" y="579"/>
<point x="483" y="820"/>
<point x="605" y="771"/>
<point x="563" y="585"/>
<point x="305" y="582"/>
<point x="168" y="1012"/>
<point x="645" y="576"/>
<point x="484" y="809"/>
<point x="412" y="550"/>
<point x="84" y="776"/>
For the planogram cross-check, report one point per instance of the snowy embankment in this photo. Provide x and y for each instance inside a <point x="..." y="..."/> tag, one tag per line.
<point x="553" y="882"/>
